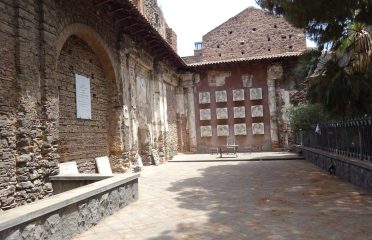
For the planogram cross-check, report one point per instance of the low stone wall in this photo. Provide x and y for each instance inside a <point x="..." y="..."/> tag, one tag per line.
<point x="354" y="171"/>
<point x="67" y="214"/>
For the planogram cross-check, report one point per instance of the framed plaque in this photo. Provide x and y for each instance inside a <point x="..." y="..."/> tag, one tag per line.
<point x="83" y="97"/>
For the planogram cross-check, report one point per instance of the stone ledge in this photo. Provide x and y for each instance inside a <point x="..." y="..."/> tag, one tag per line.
<point x="356" y="162"/>
<point x="23" y="214"/>
<point x="355" y="171"/>
<point x="80" y="177"/>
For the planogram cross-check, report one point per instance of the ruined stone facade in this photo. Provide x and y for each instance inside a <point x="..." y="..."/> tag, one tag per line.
<point x="246" y="85"/>
<point x="153" y="13"/>
<point x="44" y="45"/>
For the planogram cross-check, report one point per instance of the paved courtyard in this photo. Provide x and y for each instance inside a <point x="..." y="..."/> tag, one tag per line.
<point x="240" y="200"/>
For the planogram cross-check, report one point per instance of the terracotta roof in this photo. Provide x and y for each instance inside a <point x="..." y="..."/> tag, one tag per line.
<point x="249" y="59"/>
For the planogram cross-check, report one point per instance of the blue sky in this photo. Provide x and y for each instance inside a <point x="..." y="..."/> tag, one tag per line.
<point x="191" y="19"/>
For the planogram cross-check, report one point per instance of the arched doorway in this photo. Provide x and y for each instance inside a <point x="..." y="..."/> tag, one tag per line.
<point x="84" y="139"/>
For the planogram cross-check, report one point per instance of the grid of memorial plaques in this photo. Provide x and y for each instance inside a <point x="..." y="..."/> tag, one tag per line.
<point x="239" y="113"/>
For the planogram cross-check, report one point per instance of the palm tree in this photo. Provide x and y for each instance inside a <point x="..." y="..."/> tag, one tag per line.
<point x="357" y="46"/>
<point x="343" y="77"/>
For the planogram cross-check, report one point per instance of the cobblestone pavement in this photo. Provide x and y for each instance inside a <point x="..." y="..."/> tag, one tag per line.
<point x="240" y="200"/>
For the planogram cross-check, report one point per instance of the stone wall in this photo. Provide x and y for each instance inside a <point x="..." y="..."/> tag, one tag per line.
<point x="153" y="13"/>
<point x="172" y="136"/>
<point x="172" y="38"/>
<point x="354" y="171"/>
<point x="289" y="92"/>
<point x="8" y="101"/>
<point x="252" y="33"/>
<point x="45" y="43"/>
<point x="73" y="217"/>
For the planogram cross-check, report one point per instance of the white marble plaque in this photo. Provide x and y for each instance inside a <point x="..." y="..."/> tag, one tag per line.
<point x="247" y="80"/>
<point x="222" y="113"/>
<point x="222" y="130"/>
<point x="204" y="97"/>
<point x="206" y="131"/>
<point x="238" y="95"/>
<point x="83" y="97"/>
<point x="239" y="112"/>
<point x="257" y="111"/>
<point x="205" y="114"/>
<point x="258" y="128"/>
<point x="221" y="96"/>
<point x="256" y="93"/>
<point x="68" y="168"/>
<point x="240" y="129"/>
<point x="103" y="165"/>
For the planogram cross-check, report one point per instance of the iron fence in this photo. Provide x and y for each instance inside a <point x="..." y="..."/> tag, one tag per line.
<point x="351" y="138"/>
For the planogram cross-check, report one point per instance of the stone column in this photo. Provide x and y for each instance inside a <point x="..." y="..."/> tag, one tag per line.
<point x="191" y="118"/>
<point x="274" y="73"/>
<point x="180" y="117"/>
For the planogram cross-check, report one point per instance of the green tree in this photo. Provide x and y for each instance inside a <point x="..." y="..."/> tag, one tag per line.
<point x="341" y="78"/>
<point x="325" y="21"/>
<point x="303" y="116"/>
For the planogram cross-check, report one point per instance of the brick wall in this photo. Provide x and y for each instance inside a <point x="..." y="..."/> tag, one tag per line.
<point x="82" y="140"/>
<point x="252" y="33"/>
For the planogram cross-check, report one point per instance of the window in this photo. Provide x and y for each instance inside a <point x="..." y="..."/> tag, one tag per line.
<point x="198" y="45"/>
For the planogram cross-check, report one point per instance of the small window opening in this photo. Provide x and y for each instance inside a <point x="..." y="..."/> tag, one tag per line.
<point x="230" y="32"/>
<point x="220" y="55"/>
<point x="243" y="52"/>
<point x="284" y="37"/>
<point x="254" y="29"/>
<point x="290" y="47"/>
<point x="290" y="36"/>
<point x="269" y="49"/>
<point x="241" y="43"/>
<point x="275" y="26"/>
<point x="218" y="46"/>
<point x="198" y="45"/>
<point x="268" y="39"/>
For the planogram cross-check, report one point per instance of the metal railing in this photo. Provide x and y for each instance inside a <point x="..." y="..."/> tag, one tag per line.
<point x="351" y="138"/>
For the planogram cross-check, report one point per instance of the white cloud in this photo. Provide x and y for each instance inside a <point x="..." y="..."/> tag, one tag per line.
<point x="191" y="19"/>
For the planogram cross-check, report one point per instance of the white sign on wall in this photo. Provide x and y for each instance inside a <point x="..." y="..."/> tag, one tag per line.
<point x="83" y="97"/>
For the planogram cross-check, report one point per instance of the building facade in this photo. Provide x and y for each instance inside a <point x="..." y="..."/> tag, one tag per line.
<point x="79" y="80"/>
<point x="245" y="85"/>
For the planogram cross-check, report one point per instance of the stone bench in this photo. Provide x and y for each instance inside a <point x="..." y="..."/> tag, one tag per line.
<point x="65" y="215"/>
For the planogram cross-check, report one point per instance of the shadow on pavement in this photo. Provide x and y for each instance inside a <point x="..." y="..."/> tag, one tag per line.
<point x="271" y="200"/>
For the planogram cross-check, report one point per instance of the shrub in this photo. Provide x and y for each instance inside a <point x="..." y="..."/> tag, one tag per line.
<point x="305" y="115"/>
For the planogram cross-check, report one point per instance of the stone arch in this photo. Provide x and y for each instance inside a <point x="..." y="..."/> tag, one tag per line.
<point x="95" y="41"/>
<point x="109" y="67"/>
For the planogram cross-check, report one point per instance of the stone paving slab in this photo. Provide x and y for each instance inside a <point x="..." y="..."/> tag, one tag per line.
<point x="240" y="200"/>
